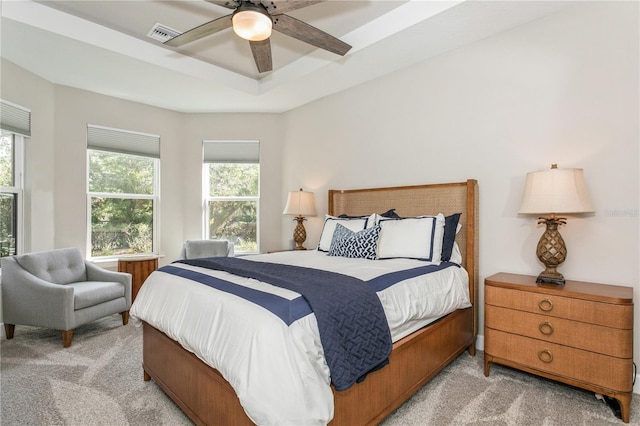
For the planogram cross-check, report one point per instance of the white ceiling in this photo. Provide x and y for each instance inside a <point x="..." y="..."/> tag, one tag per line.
<point x="102" y="46"/>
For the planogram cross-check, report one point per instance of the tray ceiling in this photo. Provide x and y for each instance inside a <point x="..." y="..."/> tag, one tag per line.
<point x="104" y="47"/>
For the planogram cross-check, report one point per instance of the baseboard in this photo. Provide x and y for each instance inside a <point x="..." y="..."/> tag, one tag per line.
<point x="480" y="343"/>
<point x="2" y="335"/>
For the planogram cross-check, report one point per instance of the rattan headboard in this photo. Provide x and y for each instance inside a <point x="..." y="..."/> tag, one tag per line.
<point x="445" y="198"/>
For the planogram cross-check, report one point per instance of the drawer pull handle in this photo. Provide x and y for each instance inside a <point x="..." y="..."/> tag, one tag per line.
<point x="545" y="305"/>
<point x="546" y="328"/>
<point x="545" y="356"/>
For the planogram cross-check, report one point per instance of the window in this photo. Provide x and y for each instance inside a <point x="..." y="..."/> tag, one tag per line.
<point x="15" y="123"/>
<point x="232" y="185"/>
<point x="123" y="193"/>
<point x="10" y="192"/>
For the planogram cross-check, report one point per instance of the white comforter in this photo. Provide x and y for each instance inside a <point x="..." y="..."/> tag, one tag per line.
<point x="278" y="371"/>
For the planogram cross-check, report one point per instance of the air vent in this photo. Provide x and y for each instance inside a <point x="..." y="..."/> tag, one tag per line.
<point x="162" y="33"/>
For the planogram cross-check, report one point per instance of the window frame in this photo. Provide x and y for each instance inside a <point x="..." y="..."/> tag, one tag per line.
<point x="207" y="198"/>
<point x="155" y="198"/>
<point x="17" y="189"/>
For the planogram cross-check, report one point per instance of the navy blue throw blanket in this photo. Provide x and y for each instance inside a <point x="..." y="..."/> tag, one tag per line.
<point x="353" y="328"/>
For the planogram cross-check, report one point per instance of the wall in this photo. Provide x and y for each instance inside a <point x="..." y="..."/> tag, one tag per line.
<point x="563" y="90"/>
<point x="74" y="109"/>
<point x="32" y="92"/>
<point x="266" y="128"/>
<point x="56" y="161"/>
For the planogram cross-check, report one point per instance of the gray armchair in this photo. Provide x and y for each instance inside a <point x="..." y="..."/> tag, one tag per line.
<point x="59" y="289"/>
<point x="193" y="249"/>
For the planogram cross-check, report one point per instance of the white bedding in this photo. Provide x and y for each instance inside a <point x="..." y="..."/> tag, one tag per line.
<point x="277" y="370"/>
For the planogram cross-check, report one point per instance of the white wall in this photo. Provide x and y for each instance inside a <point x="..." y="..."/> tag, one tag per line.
<point x="563" y="90"/>
<point x="74" y="109"/>
<point x="266" y="128"/>
<point x="56" y="167"/>
<point x="27" y="90"/>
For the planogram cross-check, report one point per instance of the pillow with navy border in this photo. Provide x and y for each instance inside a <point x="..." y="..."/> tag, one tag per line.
<point x="450" y="232"/>
<point x="362" y="244"/>
<point x="330" y="224"/>
<point x="417" y="237"/>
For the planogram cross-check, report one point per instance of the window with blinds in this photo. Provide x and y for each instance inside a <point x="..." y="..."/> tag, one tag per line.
<point x="122" y="191"/>
<point x="15" y="127"/>
<point x="232" y="192"/>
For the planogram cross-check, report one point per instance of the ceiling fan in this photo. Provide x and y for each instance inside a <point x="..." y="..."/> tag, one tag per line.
<point x="253" y="20"/>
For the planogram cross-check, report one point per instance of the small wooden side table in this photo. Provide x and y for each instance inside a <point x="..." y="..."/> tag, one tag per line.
<point x="139" y="268"/>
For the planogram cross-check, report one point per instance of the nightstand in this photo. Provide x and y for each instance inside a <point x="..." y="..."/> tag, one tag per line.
<point x="580" y="334"/>
<point x="139" y="268"/>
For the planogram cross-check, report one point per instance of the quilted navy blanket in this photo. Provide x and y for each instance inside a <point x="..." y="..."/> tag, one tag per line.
<point x="353" y="327"/>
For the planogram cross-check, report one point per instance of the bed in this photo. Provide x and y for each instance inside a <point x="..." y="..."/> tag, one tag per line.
<point x="207" y="397"/>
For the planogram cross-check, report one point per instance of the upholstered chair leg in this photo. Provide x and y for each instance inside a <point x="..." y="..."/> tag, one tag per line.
<point x="9" y="329"/>
<point x="67" y="336"/>
<point x="125" y="317"/>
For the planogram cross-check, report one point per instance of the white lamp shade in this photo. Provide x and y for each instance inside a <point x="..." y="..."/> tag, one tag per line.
<point x="252" y="25"/>
<point x="556" y="191"/>
<point x="300" y="203"/>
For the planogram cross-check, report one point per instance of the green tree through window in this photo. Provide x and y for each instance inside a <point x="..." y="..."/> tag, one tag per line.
<point x="122" y="194"/>
<point x="232" y="205"/>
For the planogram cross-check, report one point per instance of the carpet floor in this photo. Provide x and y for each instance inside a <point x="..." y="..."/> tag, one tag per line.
<point x="98" y="381"/>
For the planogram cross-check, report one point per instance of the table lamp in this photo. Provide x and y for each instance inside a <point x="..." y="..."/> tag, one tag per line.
<point x="300" y="204"/>
<point x="554" y="191"/>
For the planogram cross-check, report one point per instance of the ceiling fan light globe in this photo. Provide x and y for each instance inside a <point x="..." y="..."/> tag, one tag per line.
<point x="252" y="25"/>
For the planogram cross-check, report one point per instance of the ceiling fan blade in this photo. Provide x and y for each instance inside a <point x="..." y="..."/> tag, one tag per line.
<point x="229" y="4"/>
<point x="203" y="30"/>
<point x="309" y="34"/>
<point x="262" y="54"/>
<point x="278" y="7"/>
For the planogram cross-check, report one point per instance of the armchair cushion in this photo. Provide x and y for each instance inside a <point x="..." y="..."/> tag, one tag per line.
<point x="90" y="293"/>
<point x="61" y="266"/>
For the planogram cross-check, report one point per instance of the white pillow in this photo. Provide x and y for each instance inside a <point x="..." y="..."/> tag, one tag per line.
<point x="353" y="224"/>
<point x="456" y="256"/>
<point x="413" y="237"/>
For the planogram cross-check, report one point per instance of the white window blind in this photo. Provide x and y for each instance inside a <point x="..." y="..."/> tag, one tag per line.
<point x="123" y="141"/>
<point x="14" y="118"/>
<point x="231" y="152"/>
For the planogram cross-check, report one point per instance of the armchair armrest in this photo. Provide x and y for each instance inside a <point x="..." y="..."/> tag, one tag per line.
<point x="96" y="273"/>
<point x="29" y="300"/>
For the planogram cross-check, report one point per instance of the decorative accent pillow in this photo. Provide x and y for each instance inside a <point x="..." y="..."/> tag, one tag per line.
<point x="362" y="244"/>
<point x="391" y="213"/>
<point x="413" y="237"/>
<point x="330" y="222"/>
<point x="449" y="238"/>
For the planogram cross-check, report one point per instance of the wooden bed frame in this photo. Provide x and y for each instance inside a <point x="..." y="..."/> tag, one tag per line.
<point x="208" y="399"/>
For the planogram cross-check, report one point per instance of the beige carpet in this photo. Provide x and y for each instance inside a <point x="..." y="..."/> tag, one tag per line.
<point x="98" y="381"/>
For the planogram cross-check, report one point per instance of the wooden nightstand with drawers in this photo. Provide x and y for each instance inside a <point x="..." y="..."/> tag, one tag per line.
<point x="580" y="334"/>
